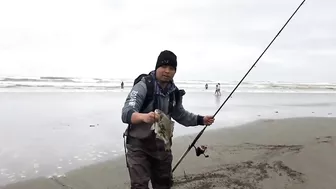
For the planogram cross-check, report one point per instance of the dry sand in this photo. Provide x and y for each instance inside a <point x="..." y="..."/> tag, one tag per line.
<point x="289" y="153"/>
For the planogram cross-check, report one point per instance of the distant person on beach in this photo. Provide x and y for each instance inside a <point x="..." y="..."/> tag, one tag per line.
<point x="206" y="86"/>
<point x="218" y="92"/>
<point x="122" y="85"/>
<point x="146" y="158"/>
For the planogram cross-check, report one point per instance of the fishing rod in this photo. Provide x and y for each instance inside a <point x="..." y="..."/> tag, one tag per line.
<point x="202" y="149"/>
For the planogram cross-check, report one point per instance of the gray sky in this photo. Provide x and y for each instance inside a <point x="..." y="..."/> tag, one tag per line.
<point x="214" y="39"/>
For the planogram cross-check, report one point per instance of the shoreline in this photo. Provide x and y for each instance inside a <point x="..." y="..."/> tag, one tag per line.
<point x="189" y="90"/>
<point x="104" y="174"/>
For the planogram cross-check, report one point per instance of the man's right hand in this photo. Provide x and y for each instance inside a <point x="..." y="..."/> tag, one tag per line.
<point x="150" y="117"/>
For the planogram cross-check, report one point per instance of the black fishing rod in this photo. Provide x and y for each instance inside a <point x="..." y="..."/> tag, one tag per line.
<point x="201" y="150"/>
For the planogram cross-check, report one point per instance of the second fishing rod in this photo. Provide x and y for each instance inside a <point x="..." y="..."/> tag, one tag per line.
<point x="202" y="131"/>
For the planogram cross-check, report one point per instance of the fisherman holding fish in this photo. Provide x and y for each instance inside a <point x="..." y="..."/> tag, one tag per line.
<point x="148" y="109"/>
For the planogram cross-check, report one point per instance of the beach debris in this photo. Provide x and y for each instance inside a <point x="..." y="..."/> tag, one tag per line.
<point x="185" y="174"/>
<point x="36" y="165"/>
<point x="163" y="129"/>
<point x="105" y="153"/>
<point x="23" y="176"/>
<point x="324" y="139"/>
<point x="56" y="179"/>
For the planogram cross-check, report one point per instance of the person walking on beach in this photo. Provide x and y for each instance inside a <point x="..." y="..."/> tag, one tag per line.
<point x="122" y="85"/>
<point x="146" y="158"/>
<point x="217" y="92"/>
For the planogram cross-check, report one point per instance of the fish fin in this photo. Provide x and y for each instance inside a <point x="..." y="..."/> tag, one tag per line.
<point x="153" y="126"/>
<point x="172" y="127"/>
<point x="167" y="145"/>
<point x="161" y="138"/>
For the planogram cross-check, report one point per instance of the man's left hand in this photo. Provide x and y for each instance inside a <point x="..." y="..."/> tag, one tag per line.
<point x="208" y="120"/>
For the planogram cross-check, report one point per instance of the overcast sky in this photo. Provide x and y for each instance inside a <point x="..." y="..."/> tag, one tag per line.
<point x="213" y="39"/>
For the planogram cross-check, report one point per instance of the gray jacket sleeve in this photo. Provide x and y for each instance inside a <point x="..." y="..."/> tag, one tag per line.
<point x="134" y="101"/>
<point x="185" y="117"/>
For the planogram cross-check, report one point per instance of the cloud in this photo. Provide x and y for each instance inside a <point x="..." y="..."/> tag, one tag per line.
<point x="214" y="39"/>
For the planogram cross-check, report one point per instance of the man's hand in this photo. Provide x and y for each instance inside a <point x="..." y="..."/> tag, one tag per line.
<point x="150" y="117"/>
<point x="208" y="120"/>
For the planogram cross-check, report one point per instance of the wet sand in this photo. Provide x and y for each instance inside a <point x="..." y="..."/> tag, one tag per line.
<point x="58" y="132"/>
<point x="268" y="153"/>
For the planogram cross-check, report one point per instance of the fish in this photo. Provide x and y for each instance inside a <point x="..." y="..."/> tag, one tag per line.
<point x="163" y="129"/>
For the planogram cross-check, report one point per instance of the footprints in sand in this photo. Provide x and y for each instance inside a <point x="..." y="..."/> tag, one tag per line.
<point x="254" y="173"/>
<point x="269" y="148"/>
<point x="248" y="174"/>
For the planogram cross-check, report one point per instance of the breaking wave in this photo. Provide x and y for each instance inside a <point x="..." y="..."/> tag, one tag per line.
<point x="42" y="84"/>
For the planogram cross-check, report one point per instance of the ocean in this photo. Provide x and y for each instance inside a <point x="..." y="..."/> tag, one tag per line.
<point x="66" y="84"/>
<point x="50" y="125"/>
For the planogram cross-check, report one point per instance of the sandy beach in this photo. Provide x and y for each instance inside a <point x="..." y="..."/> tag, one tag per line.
<point x="68" y="75"/>
<point x="267" y="153"/>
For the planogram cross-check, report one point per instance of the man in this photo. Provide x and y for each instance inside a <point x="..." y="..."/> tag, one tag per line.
<point x="122" y="85"/>
<point x="217" y="92"/>
<point x="145" y="157"/>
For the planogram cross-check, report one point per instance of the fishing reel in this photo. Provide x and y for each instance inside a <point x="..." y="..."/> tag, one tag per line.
<point x="201" y="150"/>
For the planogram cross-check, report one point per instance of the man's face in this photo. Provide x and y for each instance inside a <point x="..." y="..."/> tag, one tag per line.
<point x="165" y="73"/>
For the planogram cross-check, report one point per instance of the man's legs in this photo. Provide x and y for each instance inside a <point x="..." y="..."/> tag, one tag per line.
<point x="138" y="167"/>
<point x="162" y="176"/>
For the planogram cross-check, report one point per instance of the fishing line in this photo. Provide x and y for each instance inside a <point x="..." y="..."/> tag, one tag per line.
<point x="201" y="132"/>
